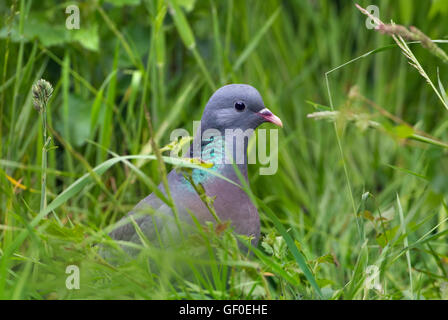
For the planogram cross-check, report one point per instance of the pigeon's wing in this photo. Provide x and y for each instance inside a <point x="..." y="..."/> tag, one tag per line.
<point x="145" y="214"/>
<point x="159" y="227"/>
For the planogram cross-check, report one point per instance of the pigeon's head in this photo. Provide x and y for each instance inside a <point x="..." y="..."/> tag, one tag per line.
<point x="236" y="106"/>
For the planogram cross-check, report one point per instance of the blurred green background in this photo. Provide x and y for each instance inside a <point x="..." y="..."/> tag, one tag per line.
<point x="168" y="57"/>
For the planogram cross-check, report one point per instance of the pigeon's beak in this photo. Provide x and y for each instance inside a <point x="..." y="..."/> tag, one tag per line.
<point x="270" y="117"/>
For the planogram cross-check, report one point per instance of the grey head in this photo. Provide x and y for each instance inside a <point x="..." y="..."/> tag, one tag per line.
<point x="236" y="106"/>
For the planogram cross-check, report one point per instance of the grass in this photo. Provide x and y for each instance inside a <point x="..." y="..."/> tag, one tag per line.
<point x="366" y="189"/>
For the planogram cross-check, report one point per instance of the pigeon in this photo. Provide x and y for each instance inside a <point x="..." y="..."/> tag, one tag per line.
<point x="231" y="108"/>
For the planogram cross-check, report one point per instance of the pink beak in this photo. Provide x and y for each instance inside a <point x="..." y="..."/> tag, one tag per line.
<point x="270" y="117"/>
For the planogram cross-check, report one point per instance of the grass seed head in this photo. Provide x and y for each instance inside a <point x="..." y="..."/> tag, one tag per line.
<point x="42" y="91"/>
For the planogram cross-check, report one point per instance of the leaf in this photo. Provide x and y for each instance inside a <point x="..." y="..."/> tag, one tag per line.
<point x="120" y="3"/>
<point x="325" y="283"/>
<point x="431" y="141"/>
<point x="87" y="37"/>
<point x="408" y="171"/>
<point x="403" y="131"/>
<point x="256" y="39"/>
<point x="267" y="247"/>
<point x="368" y="215"/>
<point x="406" y="11"/>
<point x="176" y="146"/>
<point x="75" y="234"/>
<point x="279" y="247"/>
<point x="327" y="291"/>
<point x="383" y="238"/>
<point x="49" y="35"/>
<point x="298" y="256"/>
<point x="438" y="6"/>
<point x="317" y="106"/>
<point x="182" y="25"/>
<point x="199" y="162"/>
<point x="442" y="88"/>
<point x="188" y="5"/>
<point x="328" y="258"/>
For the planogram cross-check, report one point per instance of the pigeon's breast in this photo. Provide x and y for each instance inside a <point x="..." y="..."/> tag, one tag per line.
<point x="230" y="201"/>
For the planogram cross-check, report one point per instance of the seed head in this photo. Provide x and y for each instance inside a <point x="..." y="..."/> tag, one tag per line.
<point x="42" y="91"/>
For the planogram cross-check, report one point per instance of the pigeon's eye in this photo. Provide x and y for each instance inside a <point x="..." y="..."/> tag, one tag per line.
<point x="240" y="106"/>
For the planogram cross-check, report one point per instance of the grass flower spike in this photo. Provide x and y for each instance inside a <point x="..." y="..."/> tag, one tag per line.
<point x="42" y="91"/>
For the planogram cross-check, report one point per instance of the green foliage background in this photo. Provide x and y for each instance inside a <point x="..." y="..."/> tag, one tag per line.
<point x="167" y="57"/>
